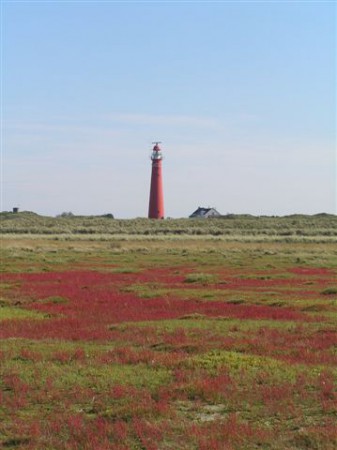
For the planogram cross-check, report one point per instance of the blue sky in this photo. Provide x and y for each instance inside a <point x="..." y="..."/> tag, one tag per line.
<point x="241" y="94"/>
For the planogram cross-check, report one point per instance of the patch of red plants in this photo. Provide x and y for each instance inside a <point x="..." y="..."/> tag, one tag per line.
<point x="312" y="271"/>
<point x="93" y="301"/>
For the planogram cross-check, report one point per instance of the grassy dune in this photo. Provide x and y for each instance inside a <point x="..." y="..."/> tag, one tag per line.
<point x="230" y="227"/>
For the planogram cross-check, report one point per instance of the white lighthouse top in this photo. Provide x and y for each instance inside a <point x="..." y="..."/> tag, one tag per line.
<point x="156" y="152"/>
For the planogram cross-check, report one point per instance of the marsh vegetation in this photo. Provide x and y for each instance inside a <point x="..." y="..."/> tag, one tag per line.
<point x="165" y="341"/>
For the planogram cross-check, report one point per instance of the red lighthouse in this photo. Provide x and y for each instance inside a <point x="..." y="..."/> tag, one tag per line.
<point x="156" y="205"/>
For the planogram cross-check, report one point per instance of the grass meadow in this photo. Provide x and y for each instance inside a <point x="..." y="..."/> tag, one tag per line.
<point x="208" y="335"/>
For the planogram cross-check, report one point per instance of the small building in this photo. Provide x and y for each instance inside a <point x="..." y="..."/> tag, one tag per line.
<point x="15" y="210"/>
<point x="204" y="213"/>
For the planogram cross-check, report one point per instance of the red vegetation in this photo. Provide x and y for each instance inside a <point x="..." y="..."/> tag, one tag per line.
<point x="94" y="300"/>
<point x="91" y="306"/>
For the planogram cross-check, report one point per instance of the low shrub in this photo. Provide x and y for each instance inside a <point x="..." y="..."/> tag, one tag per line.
<point x="330" y="291"/>
<point x="204" y="278"/>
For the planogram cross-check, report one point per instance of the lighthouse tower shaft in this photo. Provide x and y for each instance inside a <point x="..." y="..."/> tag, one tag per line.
<point x="156" y="204"/>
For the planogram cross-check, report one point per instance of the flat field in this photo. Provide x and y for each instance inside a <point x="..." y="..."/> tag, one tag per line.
<point x="123" y="341"/>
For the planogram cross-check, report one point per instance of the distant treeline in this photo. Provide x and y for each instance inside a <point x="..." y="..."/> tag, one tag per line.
<point x="297" y="225"/>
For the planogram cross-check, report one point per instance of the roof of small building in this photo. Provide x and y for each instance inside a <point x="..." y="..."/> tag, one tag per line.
<point x="202" y="212"/>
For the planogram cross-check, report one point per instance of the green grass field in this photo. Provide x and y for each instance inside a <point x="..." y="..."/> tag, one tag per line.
<point x="166" y="335"/>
